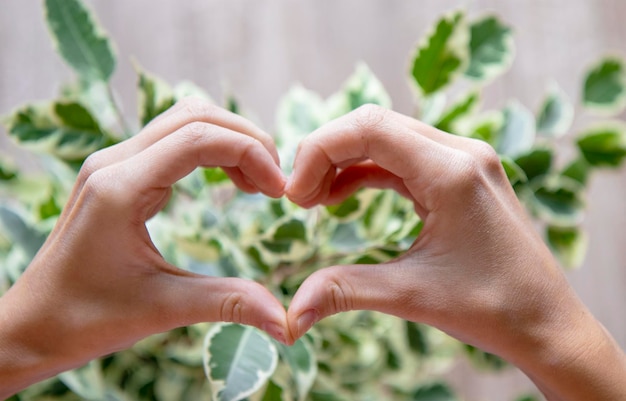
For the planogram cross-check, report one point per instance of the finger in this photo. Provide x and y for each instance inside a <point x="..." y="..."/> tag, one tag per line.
<point x="368" y="133"/>
<point x="185" y="299"/>
<point x="185" y="111"/>
<point x="239" y="179"/>
<point x="364" y="175"/>
<point x="191" y="109"/>
<point x="137" y="183"/>
<point x="354" y="287"/>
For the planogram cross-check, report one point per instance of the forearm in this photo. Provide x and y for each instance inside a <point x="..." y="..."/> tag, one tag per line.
<point x="29" y="351"/>
<point x="581" y="362"/>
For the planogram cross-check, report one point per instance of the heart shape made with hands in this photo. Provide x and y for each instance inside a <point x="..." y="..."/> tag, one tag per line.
<point x="462" y="195"/>
<point x="455" y="185"/>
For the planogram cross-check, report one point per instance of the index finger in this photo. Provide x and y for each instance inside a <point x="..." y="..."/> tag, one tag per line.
<point x="407" y="149"/>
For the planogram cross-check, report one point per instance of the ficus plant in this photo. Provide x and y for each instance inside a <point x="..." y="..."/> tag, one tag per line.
<point x="210" y="228"/>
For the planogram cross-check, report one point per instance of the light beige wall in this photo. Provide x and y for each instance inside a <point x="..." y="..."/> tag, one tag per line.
<point x="257" y="49"/>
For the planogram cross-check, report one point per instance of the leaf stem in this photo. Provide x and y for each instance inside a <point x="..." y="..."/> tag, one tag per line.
<point x="119" y="115"/>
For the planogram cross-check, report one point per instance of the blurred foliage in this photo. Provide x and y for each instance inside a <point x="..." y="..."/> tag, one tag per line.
<point x="212" y="229"/>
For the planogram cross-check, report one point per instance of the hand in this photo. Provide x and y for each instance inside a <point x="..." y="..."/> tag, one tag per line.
<point x="477" y="271"/>
<point x="98" y="284"/>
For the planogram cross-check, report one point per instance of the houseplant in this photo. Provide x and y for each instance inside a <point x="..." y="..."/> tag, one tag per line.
<point x="356" y="355"/>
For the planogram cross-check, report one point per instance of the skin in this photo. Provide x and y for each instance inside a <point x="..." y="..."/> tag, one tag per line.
<point x="98" y="284"/>
<point x="478" y="271"/>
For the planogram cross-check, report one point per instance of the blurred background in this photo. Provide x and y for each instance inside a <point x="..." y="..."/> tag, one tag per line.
<point x="257" y="49"/>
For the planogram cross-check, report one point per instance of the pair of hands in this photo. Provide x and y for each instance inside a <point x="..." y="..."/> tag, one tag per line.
<point x="478" y="270"/>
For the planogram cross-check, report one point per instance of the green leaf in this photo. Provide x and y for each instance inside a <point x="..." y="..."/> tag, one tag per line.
<point x="457" y="111"/>
<point x="569" y="245"/>
<point x="432" y="108"/>
<point x="79" y="39"/>
<point x="76" y="116"/>
<point x="48" y="209"/>
<point x="434" y="392"/>
<point x="155" y="96"/>
<point x="484" y="360"/>
<point x="517" y="133"/>
<point x="301" y="359"/>
<point x="559" y="200"/>
<point x="604" y="145"/>
<point x="215" y="176"/>
<point x="556" y="113"/>
<point x="535" y="163"/>
<point x="238" y="360"/>
<point x="7" y="171"/>
<point x="491" y="49"/>
<point x="273" y="392"/>
<point x="605" y="87"/>
<point x="292" y="230"/>
<point x="577" y="170"/>
<point x="417" y="339"/>
<point x="528" y="398"/>
<point x="86" y="382"/>
<point x="442" y="56"/>
<point x="514" y="173"/>
<point x="66" y="130"/>
<point x="486" y="127"/>
<point x="285" y="235"/>
<point x="346" y="208"/>
<point x="257" y="258"/>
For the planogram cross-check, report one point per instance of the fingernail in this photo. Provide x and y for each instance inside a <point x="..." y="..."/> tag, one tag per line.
<point x="275" y="330"/>
<point x="306" y="320"/>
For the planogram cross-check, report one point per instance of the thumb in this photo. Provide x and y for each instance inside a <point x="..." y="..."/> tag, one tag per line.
<point x="343" y="288"/>
<point x="193" y="299"/>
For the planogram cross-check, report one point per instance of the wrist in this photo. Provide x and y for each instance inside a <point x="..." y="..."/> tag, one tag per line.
<point x="32" y="344"/>
<point x="570" y="356"/>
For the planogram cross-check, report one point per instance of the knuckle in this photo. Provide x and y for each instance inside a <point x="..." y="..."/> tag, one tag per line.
<point x="93" y="163"/>
<point x="99" y="187"/>
<point x="369" y="116"/>
<point x="232" y="308"/>
<point x="193" y="132"/>
<point x="340" y="296"/>
<point x="486" y="156"/>
<point x="197" y="108"/>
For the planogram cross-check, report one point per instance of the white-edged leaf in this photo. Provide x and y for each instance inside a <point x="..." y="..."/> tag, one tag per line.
<point x="20" y="231"/>
<point x="189" y="89"/>
<point x="361" y="88"/>
<point x="604" y="144"/>
<point x="514" y="173"/>
<point x="301" y="359"/>
<point x="568" y="244"/>
<point x="79" y="39"/>
<point x="155" y="96"/>
<point x="459" y="110"/>
<point x="484" y="126"/>
<point x="299" y="113"/>
<point x="491" y="49"/>
<point x="238" y="360"/>
<point x="605" y="86"/>
<point x="517" y="134"/>
<point x="64" y="129"/>
<point x="86" y="381"/>
<point x="273" y="392"/>
<point x="443" y="55"/>
<point x="432" y="107"/>
<point x="558" y="200"/>
<point x="556" y="114"/>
